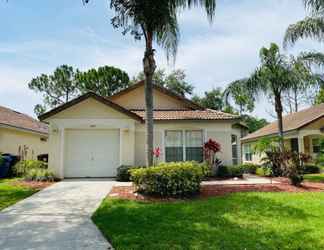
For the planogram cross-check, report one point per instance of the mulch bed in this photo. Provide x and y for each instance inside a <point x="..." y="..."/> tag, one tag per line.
<point x="36" y="185"/>
<point x="128" y="192"/>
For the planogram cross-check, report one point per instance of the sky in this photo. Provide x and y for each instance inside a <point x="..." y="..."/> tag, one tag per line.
<point x="37" y="36"/>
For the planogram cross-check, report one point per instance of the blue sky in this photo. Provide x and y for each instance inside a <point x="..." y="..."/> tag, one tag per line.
<point x="36" y="36"/>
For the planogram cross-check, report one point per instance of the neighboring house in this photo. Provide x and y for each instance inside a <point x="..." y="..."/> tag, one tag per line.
<point x="21" y="133"/>
<point x="302" y="133"/>
<point x="91" y="136"/>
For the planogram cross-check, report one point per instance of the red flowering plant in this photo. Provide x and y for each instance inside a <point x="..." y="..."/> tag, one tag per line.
<point x="156" y="155"/>
<point x="212" y="147"/>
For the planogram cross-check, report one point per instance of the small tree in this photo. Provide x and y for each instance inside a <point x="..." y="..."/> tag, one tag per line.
<point x="212" y="147"/>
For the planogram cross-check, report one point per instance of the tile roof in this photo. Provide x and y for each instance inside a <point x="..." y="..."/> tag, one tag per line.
<point x="290" y="122"/>
<point x="207" y="114"/>
<point x="9" y="117"/>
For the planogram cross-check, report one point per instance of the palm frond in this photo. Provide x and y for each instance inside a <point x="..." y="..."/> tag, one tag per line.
<point x="310" y="27"/>
<point x="314" y="6"/>
<point x="312" y="58"/>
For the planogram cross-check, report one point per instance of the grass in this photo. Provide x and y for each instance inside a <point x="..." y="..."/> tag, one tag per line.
<point x="314" y="177"/>
<point x="11" y="193"/>
<point x="253" y="221"/>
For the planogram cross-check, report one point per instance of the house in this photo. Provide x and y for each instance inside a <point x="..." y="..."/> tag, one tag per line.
<point x="21" y="133"/>
<point x="302" y="133"/>
<point x="91" y="135"/>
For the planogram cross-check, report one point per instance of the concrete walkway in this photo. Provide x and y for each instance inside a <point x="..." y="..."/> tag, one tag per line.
<point x="57" y="218"/>
<point x="248" y="180"/>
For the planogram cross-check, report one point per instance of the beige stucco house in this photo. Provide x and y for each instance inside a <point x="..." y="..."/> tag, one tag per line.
<point x="302" y="133"/>
<point x="91" y="136"/>
<point x="20" y="132"/>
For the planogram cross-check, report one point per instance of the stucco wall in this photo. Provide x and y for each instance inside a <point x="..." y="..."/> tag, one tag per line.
<point x="11" y="139"/>
<point x="136" y="100"/>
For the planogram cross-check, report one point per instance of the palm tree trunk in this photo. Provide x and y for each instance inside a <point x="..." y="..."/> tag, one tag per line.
<point x="149" y="68"/>
<point x="279" y="109"/>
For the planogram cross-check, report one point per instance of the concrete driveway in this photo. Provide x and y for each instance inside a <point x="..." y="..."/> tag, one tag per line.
<point x="57" y="217"/>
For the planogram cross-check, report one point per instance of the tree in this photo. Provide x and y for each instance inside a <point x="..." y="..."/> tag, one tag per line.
<point x="273" y="77"/>
<point x="175" y="81"/>
<point x="242" y="98"/>
<point x="58" y="88"/>
<point x="212" y="99"/>
<point x="157" y="22"/>
<point x="104" y="81"/>
<point x="254" y="123"/>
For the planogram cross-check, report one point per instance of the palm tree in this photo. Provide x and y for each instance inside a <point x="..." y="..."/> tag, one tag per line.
<point x="311" y="27"/>
<point x="275" y="75"/>
<point x="155" y="21"/>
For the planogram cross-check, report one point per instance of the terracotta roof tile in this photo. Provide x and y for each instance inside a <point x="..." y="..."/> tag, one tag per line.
<point x="290" y="122"/>
<point x="15" y="119"/>
<point x="207" y="114"/>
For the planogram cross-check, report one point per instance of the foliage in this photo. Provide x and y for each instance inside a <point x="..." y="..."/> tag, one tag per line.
<point x="230" y="171"/>
<point x="250" y="168"/>
<point x="253" y="221"/>
<point x="312" y="169"/>
<point x="24" y="166"/>
<point x="314" y="177"/>
<point x="123" y="173"/>
<point x="1" y="159"/>
<point x="211" y="147"/>
<point x="320" y="96"/>
<point x="57" y="88"/>
<point x="265" y="172"/>
<point x="104" y="81"/>
<point x="39" y="174"/>
<point x="169" y="179"/>
<point x="254" y="123"/>
<point x="213" y="99"/>
<point x="175" y="81"/>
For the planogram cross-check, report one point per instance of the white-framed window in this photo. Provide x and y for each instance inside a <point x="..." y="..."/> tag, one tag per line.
<point x="247" y="152"/>
<point x="316" y="145"/>
<point x="234" y="149"/>
<point x="183" y="145"/>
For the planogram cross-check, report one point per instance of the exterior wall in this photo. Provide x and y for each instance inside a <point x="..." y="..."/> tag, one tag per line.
<point x="219" y="131"/>
<point x="135" y="100"/>
<point x="12" y="139"/>
<point x="315" y="125"/>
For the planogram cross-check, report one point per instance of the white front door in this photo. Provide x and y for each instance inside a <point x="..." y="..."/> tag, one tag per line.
<point x="91" y="153"/>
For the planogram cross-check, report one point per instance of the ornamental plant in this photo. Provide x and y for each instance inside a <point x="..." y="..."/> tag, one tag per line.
<point x="212" y="147"/>
<point x="156" y="155"/>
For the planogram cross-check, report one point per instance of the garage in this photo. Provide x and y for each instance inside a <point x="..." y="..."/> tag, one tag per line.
<point x="91" y="152"/>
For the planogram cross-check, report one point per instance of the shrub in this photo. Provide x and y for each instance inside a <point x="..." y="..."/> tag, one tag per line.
<point x="39" y="175"/>
<point x="169" y="179"/>
<point x="250" y="168"/>
<point x="230" y="171"/>
<point x="23" y="167"/>
<point x="262" y="171"/>
<point x="312" y="169"/>
<point x="123" y="173"/>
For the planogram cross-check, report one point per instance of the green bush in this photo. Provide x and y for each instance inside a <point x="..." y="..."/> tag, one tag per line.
<point x="261" y="171"/>
<point x="230" y="171"/>
<point x="23" y="167"/>
<point x="312" y="169"/>
<point x="123" y="173"/>
<point x="250" y="168"/>
<point x="170" y="179"/>
<point x="1" y="159"/>
<point x="39" y="175"/>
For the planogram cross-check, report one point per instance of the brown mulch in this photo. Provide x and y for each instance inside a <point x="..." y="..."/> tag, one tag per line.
<point x="129" y="192"/>
<point x="36" y="185"/>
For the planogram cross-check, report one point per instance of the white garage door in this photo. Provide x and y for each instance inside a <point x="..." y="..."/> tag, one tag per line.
<point x="91" y="153"/>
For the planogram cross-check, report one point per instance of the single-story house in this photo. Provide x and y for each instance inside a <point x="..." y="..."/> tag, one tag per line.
<point x="302" y="133"/>
<point x="91" y="135"/>
<point x="21" y="133"/>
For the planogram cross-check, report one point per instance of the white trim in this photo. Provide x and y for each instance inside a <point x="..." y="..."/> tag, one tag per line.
<point x="62" y="149"/>
<point x="26" y="130"/>
<point x="163" y="145"/>
<point x="120" y="147"/>
<point x="184" y="143"/>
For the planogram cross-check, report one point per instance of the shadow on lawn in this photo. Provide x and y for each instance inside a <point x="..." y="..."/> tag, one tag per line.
<point x="241" y="221"/>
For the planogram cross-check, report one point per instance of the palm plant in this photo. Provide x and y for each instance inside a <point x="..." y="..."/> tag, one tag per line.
<point x="273" y="77"/>
<point x="155" y="21"/>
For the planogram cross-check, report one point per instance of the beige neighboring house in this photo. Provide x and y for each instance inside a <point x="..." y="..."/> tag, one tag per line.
<point x="19" y="131"/>
<point x="91" y="136"/>
<point x="302" y="133"/>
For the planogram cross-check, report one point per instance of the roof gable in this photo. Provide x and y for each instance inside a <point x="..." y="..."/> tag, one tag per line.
<point x="85" y="106"/>
<point x="164" y="99"/>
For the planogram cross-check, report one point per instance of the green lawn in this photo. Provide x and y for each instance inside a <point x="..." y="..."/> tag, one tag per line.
<point x="236" y="222"/>
<point x="10" y="193"/>
<point x="314" y="177"/>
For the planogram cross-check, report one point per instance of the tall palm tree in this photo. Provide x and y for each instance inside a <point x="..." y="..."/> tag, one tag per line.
<point x="275" y="75"/>
<point x="155" y="21"/>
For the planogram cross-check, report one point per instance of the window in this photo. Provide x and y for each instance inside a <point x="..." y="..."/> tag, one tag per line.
<point x="173" y="146"/>
<point x="247" y="152"/>
<point x="316" y="145"/>
<point x="178" y="149"/>
<point x="234" y="150"/>
<point x="194" y="146"/>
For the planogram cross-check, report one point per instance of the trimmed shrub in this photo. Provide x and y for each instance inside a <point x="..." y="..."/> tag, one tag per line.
<point x="39" y="175"/>
<point x="169" y="179"/>
<point x="250" y="168"/>
<point x="312" y="169"/>
<point x="23" y="167"/>
<point x="264" y="172"/>
<point x="123" y="173"/>
<point x="230" y="171"/>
